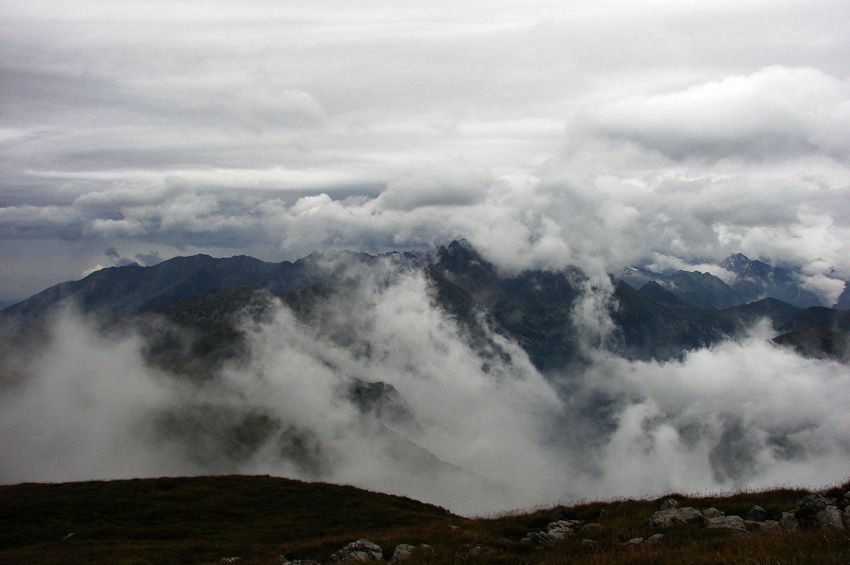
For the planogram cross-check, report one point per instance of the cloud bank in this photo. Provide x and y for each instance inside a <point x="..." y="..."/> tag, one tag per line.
<point x="474" y="434"/>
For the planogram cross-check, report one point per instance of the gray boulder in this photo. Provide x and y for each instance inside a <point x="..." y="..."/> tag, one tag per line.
<point x="789" y="522"/>
<point x="830" y="518"/>
<point x="670" y="504"/>
<point x="555" y="531"/>
<point x="654" y="539"/>
<point x="757" y="514"/>
<point x="360" y="550"/>
<point x="808" y="509"/>
<point x="667" y="518"/>
<point x="733" y="523"/>
<point x="402" y="552"/>
<point x="712" y="513"/>
<point x="766" y="526"/>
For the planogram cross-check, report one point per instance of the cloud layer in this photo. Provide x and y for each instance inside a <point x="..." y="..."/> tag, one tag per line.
<point x="597" y="133"/>
<point x="474" y="434"/>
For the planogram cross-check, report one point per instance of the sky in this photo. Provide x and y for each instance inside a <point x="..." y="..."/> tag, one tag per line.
<point x="546" y="133"/>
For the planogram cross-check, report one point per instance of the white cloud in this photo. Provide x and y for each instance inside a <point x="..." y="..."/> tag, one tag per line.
<point x="775" y="112"/>
<point x="741" y="415"/>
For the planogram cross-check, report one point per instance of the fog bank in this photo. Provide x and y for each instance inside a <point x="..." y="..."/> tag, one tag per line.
<point x="454" y="425"/>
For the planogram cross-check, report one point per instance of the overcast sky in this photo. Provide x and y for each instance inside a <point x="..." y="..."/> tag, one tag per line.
<point x="547" y="133"/>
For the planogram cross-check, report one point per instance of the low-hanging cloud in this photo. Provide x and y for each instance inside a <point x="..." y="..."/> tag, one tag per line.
<point x="472" y="431"/>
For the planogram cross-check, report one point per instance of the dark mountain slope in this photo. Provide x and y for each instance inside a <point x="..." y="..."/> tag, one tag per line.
<point x="818" y="342"/>
<point x="818" y="316"/>
<point x="779" y="312"/>
<point x="143" y="289"/>
<point x="649" y="330"/>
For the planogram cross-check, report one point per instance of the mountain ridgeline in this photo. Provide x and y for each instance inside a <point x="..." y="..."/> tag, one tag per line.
<point x="656" y="316"/>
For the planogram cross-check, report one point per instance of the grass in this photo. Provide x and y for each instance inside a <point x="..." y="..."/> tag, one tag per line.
<point x="202" y="519"/>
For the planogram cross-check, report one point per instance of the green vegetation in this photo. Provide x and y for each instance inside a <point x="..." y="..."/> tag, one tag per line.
<point x="203" y="519"/>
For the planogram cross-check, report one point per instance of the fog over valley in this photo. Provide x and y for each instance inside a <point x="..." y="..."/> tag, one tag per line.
<point x="412" y="375"/>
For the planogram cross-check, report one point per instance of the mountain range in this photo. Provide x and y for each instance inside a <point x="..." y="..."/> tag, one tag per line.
<point x="656" y="316"/>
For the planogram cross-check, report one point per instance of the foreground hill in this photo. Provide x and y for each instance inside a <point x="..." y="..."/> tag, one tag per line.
<point x="262" y="519"/>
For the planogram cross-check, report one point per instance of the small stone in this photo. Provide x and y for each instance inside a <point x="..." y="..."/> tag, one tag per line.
<point x="756" y="514"/>
<point x="654" y="539"/>
<point x="634" y="542"/>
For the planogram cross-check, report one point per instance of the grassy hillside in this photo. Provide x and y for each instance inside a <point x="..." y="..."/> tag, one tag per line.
<point x="205" y="519"/>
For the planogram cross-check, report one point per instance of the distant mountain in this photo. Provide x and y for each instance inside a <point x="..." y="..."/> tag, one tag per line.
<point x="753" y="281"/>
<point x="667" y="316"/>
<point x="138" y="289"/>
<point x="756" y="280"/>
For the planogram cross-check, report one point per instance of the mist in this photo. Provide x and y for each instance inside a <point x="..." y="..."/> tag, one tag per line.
<point x="474" y="428"/>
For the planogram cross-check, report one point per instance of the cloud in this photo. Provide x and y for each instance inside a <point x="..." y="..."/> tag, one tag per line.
<point x="776" y="112"/>
<point x="475" y="437"/>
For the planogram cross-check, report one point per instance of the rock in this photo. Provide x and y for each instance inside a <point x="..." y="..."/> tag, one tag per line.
<point x="766" y="526"/>
<point x="483" y="550"/>
<point x="807" y="510"/>
<point x="555" y="532"/>
<point x="559" y="513"/>
<point x="847" y="515"/>
<point x="360" y="550"/>
<point x="756" y="514"/>
<point x="830" y="518"/>
<point x="654" y="539"/>
<point x="712" y="513"/>
<point x="789" y="522"/>
<point x="284" y="561"/>
<point x="670" y="504"/>
<point x="813" y="503"/>
<point x="589" y="527"/>
<point x="734" y="523"/>
<point x="667" y="518"/>
<point x="634" y="543"/>
<point x="227" y="560"/>
<point x="402" y="551"/>
<point x="604" y="513"/>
